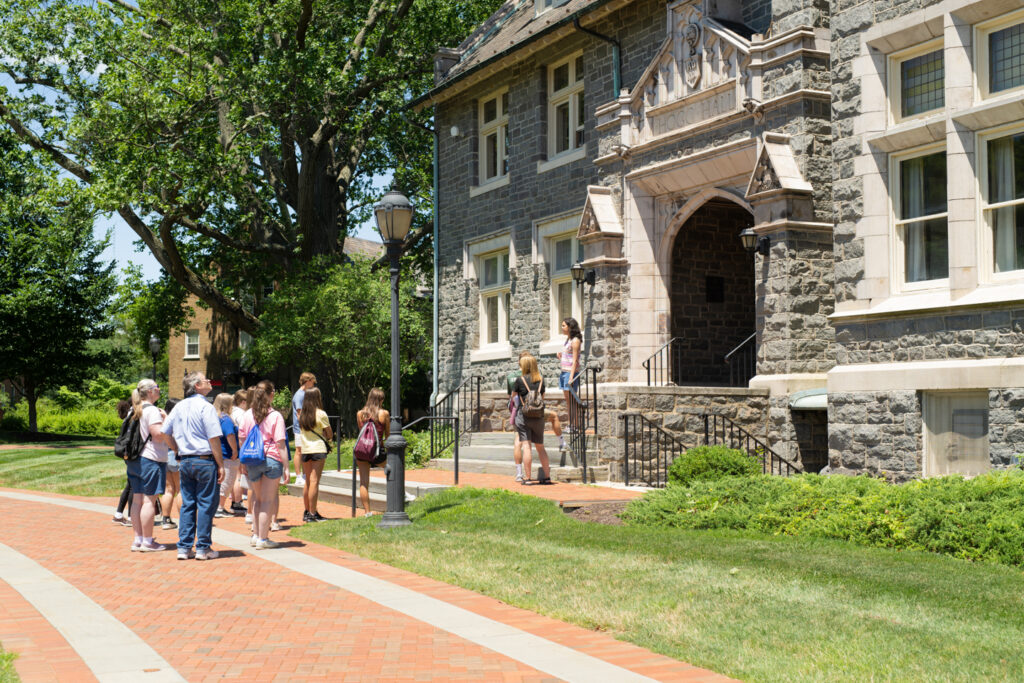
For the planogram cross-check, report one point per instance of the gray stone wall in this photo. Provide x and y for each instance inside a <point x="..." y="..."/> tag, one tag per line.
<point x="875" y="433"/>
<point x="678" y="410"/>
<point x="800" y="436"/>
<point x="1006" y="426"/>
<point x="708" y="327"/>
<point x="787" y="14"/>
<point x="794" y="300"/>
<point x="987" y="334"/>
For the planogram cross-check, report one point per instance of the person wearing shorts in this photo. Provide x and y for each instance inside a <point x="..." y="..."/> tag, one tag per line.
<point x="146" y="473"/>
<point x="264" y="477"/>
<point x="531" y="429"/>
<point x="311" y="448"/>
<point x="172" y="484"/>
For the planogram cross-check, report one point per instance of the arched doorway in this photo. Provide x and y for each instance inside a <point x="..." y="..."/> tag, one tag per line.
<point x="712" y="299"/>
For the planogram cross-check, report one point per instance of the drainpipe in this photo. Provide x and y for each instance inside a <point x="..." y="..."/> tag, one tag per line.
<point x="616" y="56"/>
<point x="435" y="361"/>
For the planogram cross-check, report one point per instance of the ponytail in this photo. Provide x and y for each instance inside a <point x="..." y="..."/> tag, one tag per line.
<point x="136" y="405"/>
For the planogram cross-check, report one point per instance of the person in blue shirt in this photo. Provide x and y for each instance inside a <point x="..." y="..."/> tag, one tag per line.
<point x="307" y="380"/>
<point x="195" y="434"/>
<point x="229" y="448"/>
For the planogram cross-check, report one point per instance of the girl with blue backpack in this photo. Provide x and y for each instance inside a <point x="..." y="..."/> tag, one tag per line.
<point x="263" y="459"/>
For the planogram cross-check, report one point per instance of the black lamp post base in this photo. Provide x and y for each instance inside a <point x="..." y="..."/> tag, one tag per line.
<point x="390" y="520"/>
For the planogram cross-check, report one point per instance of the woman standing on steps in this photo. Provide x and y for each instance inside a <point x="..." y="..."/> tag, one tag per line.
<point x="380" y="418"/>
<point x="569" y="360"/>
<point x="531" y="427"/>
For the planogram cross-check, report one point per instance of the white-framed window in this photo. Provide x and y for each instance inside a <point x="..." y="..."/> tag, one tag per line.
<point x="918" y="190"/>
<point x="1000" y="54"/>
<point x="955" y="432"/>
<point x="917" y="81"/>
<point x="566" y="113"/>
<point x="192" y="344"/>
<point x="495" y="297"/>
<point x="563" y="251"/>
<point x="494" y="140"/>
<point x="542" y="6"/>
<point x="1002" y="202"/>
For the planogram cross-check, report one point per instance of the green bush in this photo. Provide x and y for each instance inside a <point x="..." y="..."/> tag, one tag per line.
<point x="708" y="463"/>
<point x="417" y="454"/>
<point x="980" y="519"/>
<point x="66" y="399"/>
<point x="50" y="418"/>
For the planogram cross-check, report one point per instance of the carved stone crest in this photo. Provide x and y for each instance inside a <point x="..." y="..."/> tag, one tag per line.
<point x="765" y="178"/>
<point x="691" y="64"/>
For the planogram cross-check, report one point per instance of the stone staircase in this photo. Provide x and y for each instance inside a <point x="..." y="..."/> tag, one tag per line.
<point x="336" y="487"/>
<point x="491" y="453"/>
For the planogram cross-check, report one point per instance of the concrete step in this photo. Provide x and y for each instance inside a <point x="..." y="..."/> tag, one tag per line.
<point x="508" y="468"/>
<point x="336" y="487"/>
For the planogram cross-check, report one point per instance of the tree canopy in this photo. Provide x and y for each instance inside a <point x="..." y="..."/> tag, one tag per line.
<point x="53" y="288"/>
<point x="237" y="138"/>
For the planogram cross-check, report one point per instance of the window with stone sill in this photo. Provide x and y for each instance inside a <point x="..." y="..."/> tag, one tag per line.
<point x="192" y="344"/>
<point x="495" y="298"/>
<point x="1003" y="201"/>
<point x="921" y="216"/>
<point x="917" y="81"/>
<point x="1001" y="54"/>
<point x="566" y="113"/>
<point x="563" y="252"/>
<point x="494" y="139"/>
<point x="955" y="433"/>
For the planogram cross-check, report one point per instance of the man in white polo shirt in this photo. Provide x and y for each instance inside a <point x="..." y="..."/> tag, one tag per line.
<point x="195" y="430"/>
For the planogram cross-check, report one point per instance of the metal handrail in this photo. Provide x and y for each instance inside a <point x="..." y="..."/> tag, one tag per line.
<point x="456" y="403"/>
<point x="661" y="363"/>
<point x="743" y="366"/>
<point x="649" y="450"/>
<point x="719" y="429"/>
<point x="435" y="437"/>
<point x="740" y="346"/>
<point x="583" y="416"/>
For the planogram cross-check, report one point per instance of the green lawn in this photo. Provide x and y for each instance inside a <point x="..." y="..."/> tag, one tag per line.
<point x="748" y="606"/>
<point x="81" y="468"/>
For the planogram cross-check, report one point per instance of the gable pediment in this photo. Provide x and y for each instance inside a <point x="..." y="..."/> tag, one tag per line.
<point x="600" y="218"/>
<point x="698" y="73"/>
<point x="776" y="169"/>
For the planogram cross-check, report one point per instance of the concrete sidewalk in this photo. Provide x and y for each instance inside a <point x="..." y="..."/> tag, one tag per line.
<point x="79" y="606"/>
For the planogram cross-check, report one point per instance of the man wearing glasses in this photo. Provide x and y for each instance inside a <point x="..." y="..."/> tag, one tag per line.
<point x="194" y="428"/>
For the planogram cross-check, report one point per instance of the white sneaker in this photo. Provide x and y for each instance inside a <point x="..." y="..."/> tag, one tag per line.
<point x="207" y="554"/>
<point x="266" y="545"/>
<point x="254" y="540"/>
<point x="248" y="519"/>
<point x="300" y="480"/>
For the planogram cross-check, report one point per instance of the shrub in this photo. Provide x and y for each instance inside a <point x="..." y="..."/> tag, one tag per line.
<point x="66" y="399"/>
<point x="708" y="463"/>
<point x="980" y="519"/>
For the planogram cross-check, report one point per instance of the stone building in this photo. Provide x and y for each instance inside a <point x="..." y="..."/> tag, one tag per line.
<point x="641" y="138"/>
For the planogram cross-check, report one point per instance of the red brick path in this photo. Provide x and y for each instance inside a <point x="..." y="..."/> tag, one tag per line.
<point x="240" y="617"/>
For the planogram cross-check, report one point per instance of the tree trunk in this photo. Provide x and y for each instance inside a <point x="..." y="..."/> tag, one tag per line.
<point x="317" y="210"/>
<point x="30" y="396"/>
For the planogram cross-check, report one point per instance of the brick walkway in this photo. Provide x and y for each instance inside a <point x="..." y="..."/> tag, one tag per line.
<point x="245" y="616"/>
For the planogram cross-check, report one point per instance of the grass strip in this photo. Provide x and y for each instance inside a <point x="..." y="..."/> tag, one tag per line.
<point x="8" y="674"/>
<point x="746" y="605"/>
<point x="71" y="468"/>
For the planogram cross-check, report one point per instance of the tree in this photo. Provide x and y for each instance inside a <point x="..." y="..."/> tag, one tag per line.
<point x="53" y="288"/>
<point x="237" y="138"/>
<point x="339" y="320"/>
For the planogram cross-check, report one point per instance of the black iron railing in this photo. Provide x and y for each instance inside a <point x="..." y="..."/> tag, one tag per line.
<point x="462" y="402"/>
<point x="742" y="362"/>
<point x="649" y="450"/>
<point x="720" y="430"/>
<point x="582" y="417"/>
<point x="663" y="366"/>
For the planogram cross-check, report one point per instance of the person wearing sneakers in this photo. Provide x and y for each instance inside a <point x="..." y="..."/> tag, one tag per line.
<point x="124" y="503"/>
<point x="194" y="431"/>
<point x="311" y="450"/>
<point x="172" y="485"/>
<point x="531" y="427"/>
<point x="265" y="477"/>
<point x="307" y="381"/>
<point x="240" y="403"/>
<point x="229" y="451"/>
<point x="146" y="473"/>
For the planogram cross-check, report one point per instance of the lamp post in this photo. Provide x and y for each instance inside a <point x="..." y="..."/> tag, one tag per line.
<point x="394" y="215"/>
<point x="154" y="350"/>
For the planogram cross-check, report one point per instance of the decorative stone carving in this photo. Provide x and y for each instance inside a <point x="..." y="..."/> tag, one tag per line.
<point x="600" y="231"/>
<point x="691" y="65"/>
<point x="764" y="177"/>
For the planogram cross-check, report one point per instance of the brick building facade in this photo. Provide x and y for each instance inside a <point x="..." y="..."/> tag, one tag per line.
<point x="720" y="116"/>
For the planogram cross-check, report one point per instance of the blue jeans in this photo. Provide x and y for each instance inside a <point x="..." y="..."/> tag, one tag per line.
<point x="198" y="503"/>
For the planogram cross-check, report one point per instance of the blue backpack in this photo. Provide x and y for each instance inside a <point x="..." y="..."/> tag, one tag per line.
<point x="251" y="452"/>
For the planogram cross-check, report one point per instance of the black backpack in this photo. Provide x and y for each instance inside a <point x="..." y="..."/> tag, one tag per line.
<point x="129" y="442"/>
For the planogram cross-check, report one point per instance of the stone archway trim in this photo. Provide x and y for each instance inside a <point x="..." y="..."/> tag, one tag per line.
<point x="687" y="210"/>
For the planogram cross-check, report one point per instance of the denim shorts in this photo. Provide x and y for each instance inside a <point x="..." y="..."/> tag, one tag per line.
<point x="563" y="382"/>
<point x="270" y="468"/>
<point x="147" y="476"/>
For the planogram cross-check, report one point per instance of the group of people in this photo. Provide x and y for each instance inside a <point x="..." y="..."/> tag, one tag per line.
<point x="191" y="447"/>
<point x="529" y="429"/>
